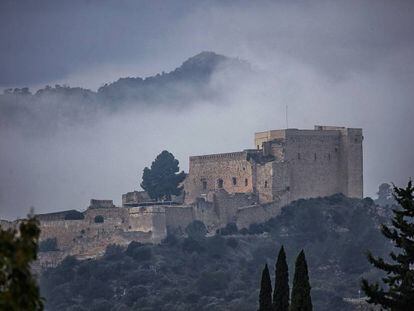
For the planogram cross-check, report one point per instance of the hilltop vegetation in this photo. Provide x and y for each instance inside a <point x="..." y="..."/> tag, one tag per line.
<point x="222" y="272"/>
<point x="182" y="87"/>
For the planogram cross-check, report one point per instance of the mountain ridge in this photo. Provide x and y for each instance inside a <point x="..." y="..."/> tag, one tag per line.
<point x="186" y="85"/>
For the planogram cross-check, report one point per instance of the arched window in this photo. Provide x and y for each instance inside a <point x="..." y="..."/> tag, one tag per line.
<point x="234" y="181"/>
<point x="265" y="183"/>
<point x="220" y="183"/>
<point x="246" y="182"/>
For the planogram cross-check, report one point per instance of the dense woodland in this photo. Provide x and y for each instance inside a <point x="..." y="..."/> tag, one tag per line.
<point x="222" y="272"/>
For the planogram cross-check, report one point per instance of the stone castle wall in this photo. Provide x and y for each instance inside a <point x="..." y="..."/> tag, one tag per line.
<point x="256" y="214"/>
<point x="352" y="168"/>
<point x="229" y="171"/>
<point x="313" y="163"/>
<point x="178" y="217"/>
<point x="265" y="181"/>
<point x="87" y="238"/>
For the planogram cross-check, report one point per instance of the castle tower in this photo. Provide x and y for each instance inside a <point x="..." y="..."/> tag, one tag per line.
<point x="318" y="162"/>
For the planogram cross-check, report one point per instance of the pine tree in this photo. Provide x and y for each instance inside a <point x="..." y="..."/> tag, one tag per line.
<point x="301" y="298"/>
<point x="399" y="292"/>
<point x="18" y="286"/>
<point x="265" y="298"/>
<point x="281" y="292"/>
<point x="162" y="180"/>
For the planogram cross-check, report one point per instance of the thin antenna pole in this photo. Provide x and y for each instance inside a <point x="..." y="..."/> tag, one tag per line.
<point x="287" y="120"/>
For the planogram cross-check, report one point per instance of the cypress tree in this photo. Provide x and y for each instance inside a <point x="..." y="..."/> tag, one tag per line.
<point x="281" y="292"/>
<point x="301" y="298"/>
<point x="399" y="292"/>
<point x="265" y="298"/>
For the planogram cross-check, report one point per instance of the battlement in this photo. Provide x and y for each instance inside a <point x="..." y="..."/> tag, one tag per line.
<point x="216" y="156"/>
<point x="101" y="203"/>
<point x="318" y="131"/>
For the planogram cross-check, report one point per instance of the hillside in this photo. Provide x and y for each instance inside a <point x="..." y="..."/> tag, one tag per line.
<point x="222" y="272"/>
<point x="187" y="84"/>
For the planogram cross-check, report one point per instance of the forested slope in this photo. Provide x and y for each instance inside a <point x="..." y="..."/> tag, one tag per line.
<point x="222" y="272"/>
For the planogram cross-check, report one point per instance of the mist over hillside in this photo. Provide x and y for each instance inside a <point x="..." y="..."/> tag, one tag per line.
<point x="187" y="85"/>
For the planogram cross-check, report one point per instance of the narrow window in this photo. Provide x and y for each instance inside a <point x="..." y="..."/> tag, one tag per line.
<point x="246" y="182"/>
<point x="314" y="156"/>
<point x="298" y="156"/>
<point x="234" y="181"/>
<point x="265" y="183"/>
<point x="204" y="185"/>
<point x="220" y="183"/>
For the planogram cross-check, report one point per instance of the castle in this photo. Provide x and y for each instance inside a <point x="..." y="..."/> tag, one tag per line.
<point x="244" y="187"/>
<point x="286" y="165"/>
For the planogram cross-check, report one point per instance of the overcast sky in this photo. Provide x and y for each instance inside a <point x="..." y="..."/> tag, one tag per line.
<point x="346" y="63"/>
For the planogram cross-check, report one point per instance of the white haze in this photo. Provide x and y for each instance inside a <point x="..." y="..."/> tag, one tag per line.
<point x="331" y="64"/>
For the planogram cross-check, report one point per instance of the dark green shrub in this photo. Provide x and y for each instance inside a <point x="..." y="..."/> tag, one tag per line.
<point x="113" y="252"/>
<point x="134" y="293"/>
<point x="256" y="228"/>
<point x="196" y="230"/>
<point x="99" y="219"/>
<point x="216" y="246"/>
<point x="170" y="240"/>
<point x="232" y="242"/>
<point x="210" y="282"/>
<point x="139" y="251"/>
<point x="190" y="245"/>
<point x="101" y="305"/>
<point x="244" y="231"/>
<point x="229" y="229"/>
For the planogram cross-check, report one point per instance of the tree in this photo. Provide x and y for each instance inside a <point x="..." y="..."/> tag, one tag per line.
<point x="162" y="180"/>
<point x="301" y="298"/>
<point x="196" y="230"/>
<point x="281" y="292"/>
<point x="399" y="292"/>
<point x="265" y="297"/>
<point x="18" y="288"/>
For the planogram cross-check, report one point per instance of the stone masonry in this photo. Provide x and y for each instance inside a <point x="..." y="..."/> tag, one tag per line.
<point x="285" y="165"/>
